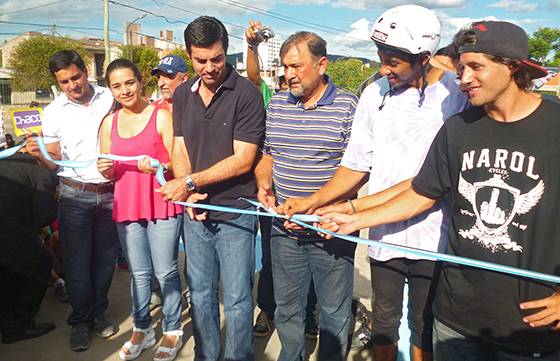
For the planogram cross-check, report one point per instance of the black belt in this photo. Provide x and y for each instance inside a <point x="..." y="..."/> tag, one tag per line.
<point x="88" y="187"/>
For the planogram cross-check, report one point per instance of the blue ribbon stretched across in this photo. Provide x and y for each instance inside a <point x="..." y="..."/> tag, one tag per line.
<point x="301" y="220"/>
<point x="10" y="151"/>
<point x="86" y="163"/>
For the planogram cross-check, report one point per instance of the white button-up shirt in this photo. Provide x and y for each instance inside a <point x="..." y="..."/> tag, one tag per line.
<point x="76" y="128"/>
<point x="391" y="143"/>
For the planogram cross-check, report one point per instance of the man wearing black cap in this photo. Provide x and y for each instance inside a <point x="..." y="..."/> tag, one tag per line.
<point x="498" y="162"/>
<point x="170" y="72"/>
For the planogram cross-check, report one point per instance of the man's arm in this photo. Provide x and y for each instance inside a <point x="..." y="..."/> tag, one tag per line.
<point x="253" y="69"/>
<point x="241" y="162"/>
<point x="342" y="185"/>
<point x="547" y="312"/>
<point x="369" y="201"/>
<point x="263" y="175"/>
<point x="32" y="148"/>
<point x="176" y="189"/>
<point x="404" y="206"/>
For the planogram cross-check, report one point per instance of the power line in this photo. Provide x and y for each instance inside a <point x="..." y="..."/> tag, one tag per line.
<point x="165" y="17"/>
<point x="287" y="19"/>
<point x="58" y="26"/>
<point x="34" y="7"/>
<point x="195" y="13"/>
<point x="148" y="12"/>
<point x="160" y="4"/>
<point x="269" y="12"/>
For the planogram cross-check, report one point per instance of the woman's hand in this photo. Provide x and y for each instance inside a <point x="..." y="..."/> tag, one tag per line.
<point x="105" y="167"/>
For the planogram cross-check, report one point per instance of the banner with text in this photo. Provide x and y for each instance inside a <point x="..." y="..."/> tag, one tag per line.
<point x="26" y="120"/>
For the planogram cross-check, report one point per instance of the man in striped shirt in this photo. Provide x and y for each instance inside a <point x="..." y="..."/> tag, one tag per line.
<point x="307" y="130"/>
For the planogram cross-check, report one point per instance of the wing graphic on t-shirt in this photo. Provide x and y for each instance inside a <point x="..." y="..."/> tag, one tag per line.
<point x="466" y="189"/>
<point x="530" y="199"/>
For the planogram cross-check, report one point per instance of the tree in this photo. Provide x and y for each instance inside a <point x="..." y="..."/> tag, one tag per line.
<point x="145" y="58"/>
<point x="544" y="44"/>
<point x="30" y="61"/>
<point x="349" y="73"/>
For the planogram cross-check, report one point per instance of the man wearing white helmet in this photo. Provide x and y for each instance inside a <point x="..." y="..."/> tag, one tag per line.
<point x="395" y="122"/>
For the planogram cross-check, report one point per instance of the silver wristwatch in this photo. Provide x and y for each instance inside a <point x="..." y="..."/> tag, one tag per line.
<point x="191" y="185"/>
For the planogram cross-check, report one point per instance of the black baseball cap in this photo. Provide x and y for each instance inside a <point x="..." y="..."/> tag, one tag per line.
<point x="503" y="39"/>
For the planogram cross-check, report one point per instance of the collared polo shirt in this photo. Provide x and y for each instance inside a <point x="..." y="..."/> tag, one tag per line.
<point x="76" y="127"/>
<point x="235" y="112"/>
<point x="307" y="144"/>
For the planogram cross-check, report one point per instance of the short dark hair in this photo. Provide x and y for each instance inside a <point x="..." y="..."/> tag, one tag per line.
<point x="400" y="54"/>
<point x="520" y="76"/>
<point x="122" y="64"/>
<point x="316" y="45"/>
<point x="450" y="51"/>
<point x="204" y="31"/>
<point x="64" y="59"/>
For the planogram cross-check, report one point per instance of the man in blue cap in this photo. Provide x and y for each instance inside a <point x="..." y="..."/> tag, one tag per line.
<point x="170" y="72"/>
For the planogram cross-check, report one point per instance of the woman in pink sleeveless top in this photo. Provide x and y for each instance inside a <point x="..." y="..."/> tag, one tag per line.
<point x="148" y="227"/>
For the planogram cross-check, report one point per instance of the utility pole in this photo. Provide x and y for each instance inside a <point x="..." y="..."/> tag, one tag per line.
<point x="106" y="32"/>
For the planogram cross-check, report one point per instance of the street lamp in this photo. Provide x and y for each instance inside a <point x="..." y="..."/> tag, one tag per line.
<point x="129" y="34"/>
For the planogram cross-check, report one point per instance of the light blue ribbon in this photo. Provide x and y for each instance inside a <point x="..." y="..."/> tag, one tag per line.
<point x="86" y="163"/>
<point x="6" y="153"/>
<point x="304" y="220"/>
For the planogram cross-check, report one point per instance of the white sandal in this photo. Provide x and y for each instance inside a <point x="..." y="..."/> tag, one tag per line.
<point x="136" y="349"/>
<point x="170" y="351"/>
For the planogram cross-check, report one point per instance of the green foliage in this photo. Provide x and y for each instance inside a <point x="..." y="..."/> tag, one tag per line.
<point x="544" y="44"/>
<point x="30" y="61"/>
<point x="145" y="58"/>
<point x="349" y="73"/>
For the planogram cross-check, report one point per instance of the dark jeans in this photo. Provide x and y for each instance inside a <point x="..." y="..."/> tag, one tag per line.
<point x="265" y="286"/>
<point x="450" y="345"/>
<point x="22" y="294"/>
<point x="90" y="243"/>
<point x="294" y="262"/>
<point x="387" y="282"/>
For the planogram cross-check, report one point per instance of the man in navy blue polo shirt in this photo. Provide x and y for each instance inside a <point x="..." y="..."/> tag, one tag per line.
<point x="218" y="121"/>
<point x="307" y="130"/>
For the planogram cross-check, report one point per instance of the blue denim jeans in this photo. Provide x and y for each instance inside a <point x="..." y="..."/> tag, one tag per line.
<point x="89" y="243"/>
<point x="153" y="246"/>
<point x="221" y="251"/>
<point x="450" y="345"/>
<point x="293" y="263"/>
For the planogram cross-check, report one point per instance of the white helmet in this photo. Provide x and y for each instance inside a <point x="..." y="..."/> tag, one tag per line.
<point x="410" y="28"/>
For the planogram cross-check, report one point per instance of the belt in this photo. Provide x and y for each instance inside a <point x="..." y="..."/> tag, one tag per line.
<point x="88" y="187"/>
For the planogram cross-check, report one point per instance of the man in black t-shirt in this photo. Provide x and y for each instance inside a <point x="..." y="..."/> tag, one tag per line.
<point x="499" y="162"/>
<point x="27" y="204"/>
<point x="218" y="123"/>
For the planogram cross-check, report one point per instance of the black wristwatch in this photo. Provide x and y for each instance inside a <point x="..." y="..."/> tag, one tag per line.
<point x="191" y="185"/>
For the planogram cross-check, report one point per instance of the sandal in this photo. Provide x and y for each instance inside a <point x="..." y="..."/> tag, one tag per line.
<point x="136" y="349"/>
<point x="170" y="351"/>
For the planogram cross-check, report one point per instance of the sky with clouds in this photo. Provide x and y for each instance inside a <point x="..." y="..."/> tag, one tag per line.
<point x="345" y="24"/>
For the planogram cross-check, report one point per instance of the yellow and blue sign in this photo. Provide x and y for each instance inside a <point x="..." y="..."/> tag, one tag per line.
<point x="26" y="120"/>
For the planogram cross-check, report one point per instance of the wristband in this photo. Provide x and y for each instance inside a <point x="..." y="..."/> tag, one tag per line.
<point x="351" y="205"/>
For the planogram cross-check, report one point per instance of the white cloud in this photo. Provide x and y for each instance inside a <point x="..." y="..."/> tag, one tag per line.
<point x="358" y="38"/>
<point x="450" y="25"/>
<point x="515" y="5"/>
